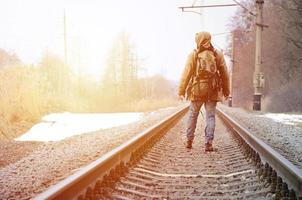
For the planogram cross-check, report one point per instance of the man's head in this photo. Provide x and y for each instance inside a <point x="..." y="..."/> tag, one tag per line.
<point x="203" y="39"/>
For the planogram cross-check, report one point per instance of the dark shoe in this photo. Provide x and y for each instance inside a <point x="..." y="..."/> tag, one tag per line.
<point x="189" y="144"/>
<point x="209" y="147"/>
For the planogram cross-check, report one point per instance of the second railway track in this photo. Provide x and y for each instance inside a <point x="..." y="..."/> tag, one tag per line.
<point x="156" y="165"/>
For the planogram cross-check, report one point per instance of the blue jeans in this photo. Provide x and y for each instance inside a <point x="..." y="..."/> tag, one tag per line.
<point x="210" y="108"/>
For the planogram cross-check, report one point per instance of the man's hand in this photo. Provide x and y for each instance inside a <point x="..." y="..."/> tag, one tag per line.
<point x="181" y="97"/>
<point x="226" y="95"/>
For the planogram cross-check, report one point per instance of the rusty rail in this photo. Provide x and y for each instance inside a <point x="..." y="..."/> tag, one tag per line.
<point x="285" y="169"/>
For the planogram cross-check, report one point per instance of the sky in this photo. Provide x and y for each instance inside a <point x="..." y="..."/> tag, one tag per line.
<point x="163" y="35"/>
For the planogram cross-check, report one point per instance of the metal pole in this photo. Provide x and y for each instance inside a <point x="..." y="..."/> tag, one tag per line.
<point x="61" y="76"/>
<point x="258" y="81"/>
<point x="232" y="70"/>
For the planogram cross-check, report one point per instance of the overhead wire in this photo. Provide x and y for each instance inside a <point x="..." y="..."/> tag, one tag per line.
<point x="245" y="8"/>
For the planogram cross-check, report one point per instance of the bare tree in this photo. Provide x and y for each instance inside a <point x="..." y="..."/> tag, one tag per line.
<point x="7" y="59"/>
<point x="282" y="54"/>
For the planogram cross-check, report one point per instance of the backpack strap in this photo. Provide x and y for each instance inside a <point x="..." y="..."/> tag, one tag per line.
<point x="216" y="56"/>
<point x="196" y="52"/>
<point x="195" y="57"/>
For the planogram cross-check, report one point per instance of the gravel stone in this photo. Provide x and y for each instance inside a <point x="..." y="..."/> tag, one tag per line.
<point x="12" y="151"/>
<point x="285" y="139"/>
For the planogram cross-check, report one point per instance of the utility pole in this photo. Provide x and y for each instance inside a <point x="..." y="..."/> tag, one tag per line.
<point x="230" y="103"/>
<point x="65" y="39"/>
<point x="62" y="75"/>
<point x="258" y="79"/>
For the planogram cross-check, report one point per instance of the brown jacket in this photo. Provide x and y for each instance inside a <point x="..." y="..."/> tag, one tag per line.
<point x="203" y="40"/>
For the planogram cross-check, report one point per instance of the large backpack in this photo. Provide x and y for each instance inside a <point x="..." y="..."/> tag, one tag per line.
<point x="205" y="79"/>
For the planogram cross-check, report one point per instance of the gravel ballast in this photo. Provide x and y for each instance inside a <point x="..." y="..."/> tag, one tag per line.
<point x="36" y="166"/>
<point x="285" y="139"/>
<point x="12" y="151"/>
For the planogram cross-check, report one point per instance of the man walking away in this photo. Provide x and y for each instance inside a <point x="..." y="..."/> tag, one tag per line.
<point x="204" y="80"/>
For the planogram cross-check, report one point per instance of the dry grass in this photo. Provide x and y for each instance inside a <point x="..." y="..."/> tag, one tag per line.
<point x="23" y="99"/>
<point x="29" y="92"/>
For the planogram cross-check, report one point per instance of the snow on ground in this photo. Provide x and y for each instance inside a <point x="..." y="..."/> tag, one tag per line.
<point x="58" y="126"/>
<point x="290" y="119"/>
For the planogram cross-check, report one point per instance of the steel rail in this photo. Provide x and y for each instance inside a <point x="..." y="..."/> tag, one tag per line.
<point x="289" y="172"/>
<point x="76" y="184"/>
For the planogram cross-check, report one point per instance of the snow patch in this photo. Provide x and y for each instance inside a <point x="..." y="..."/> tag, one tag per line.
<point x="290" y="119"/>
<point x="58" y="126"/>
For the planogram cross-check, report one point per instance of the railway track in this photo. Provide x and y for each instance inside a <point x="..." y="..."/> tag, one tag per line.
<point x="156" y="165"/>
